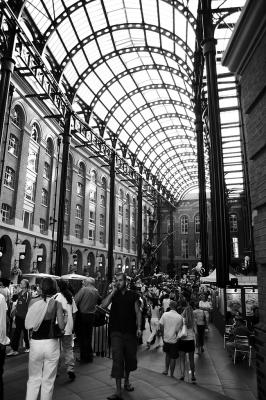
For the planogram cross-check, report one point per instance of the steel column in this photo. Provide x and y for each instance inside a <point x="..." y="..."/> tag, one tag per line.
<point x="171" y="238"/>
<point x="61" y="204"/>
<point x="220" y="249"/>
<point x="139" y="224"/>
<point x="7" y="69"/>
<point x="111" y="220"/>
<point x="158" y="236"/>
<point x="202" y="188"/>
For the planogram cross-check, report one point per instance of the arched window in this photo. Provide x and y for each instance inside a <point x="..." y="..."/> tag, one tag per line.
<point x="82" y="170"/>
<point x="197" y="223"/>
<point x="233" y="223"/>
<point x="35" y="132"/>
<point x="18" y="118"/>
<point x="184" y="224"/>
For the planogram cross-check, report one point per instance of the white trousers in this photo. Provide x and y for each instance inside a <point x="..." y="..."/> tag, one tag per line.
<point x="43" y="360"/>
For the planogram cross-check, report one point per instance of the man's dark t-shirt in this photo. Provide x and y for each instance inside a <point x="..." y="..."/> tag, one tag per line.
<point x="123" y="314"/>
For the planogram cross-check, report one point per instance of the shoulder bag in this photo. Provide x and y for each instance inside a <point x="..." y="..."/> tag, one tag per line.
<point x="183" y="331"/>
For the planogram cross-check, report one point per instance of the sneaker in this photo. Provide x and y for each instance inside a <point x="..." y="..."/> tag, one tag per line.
<point x="71" y="375"/>
<point x="12" y="353"/>
<point x="26" y="350"/>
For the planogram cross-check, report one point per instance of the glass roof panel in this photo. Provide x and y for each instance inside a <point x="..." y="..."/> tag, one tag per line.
<point x="131" y="61"/>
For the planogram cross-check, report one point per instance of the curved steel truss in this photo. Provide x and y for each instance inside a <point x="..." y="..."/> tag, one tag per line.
<point x="126" y="68"/>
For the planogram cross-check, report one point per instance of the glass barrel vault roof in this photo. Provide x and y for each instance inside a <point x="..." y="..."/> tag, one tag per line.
<point x="129" y="64"/>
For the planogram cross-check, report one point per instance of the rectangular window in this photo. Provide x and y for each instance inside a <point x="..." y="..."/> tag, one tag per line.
<point x="44" y="197"/>
<point x="93" y="196"/>
<point x="80" y="189"/>
<point x="91" y="234"/>
<point x="119" y="228"/>
<point x="27" y="220"/>
<point x="46" y="170"/>
<point x="32" y="161"/>
<point x="119" y="242"/>
<point x="92" y="217"/>
<point x="10" y="177"/>
<point x="43" y="228"/>
<point x="101" y="220"/>
<point x="235" y="247"/>
<point x="66" y="228"/>
<point x="184" y="224"/>
<point x="102" y="237"/>
<point x="78" y="211"/>
<point x="66" y="207"/>
<point x="78" y="231"/>
<point x="30" y="190"/>
<point x="102" y="200"/>
<point x="127" y="243"/>
<point x="13" y="145"/>
<point x="6" y="212"/>
<point x="184" y="248"/>
<point x="120" y="210"/>
<point x="197" y="248"/>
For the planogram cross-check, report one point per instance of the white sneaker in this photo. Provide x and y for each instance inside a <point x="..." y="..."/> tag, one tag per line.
<point x="26" y="350"/>
<point x="12" y="353"/>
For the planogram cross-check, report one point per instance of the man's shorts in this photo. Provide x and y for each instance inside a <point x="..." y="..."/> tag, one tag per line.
<point x="124" y="353"/>
<point x="171" y="349"/>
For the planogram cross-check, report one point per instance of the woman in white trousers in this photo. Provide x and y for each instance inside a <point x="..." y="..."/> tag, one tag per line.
<point x="44" y="347"/>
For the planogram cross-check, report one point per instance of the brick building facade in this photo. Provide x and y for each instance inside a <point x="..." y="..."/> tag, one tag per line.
<point x="31" y="170"/>
<point x="246" y="57"/>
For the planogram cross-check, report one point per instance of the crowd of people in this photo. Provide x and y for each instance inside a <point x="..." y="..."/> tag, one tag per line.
<point x="55" y="319"/>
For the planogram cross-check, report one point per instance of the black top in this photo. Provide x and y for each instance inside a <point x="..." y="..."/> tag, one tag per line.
<point x="44" y="330"/>
<point x="123" y="314"/>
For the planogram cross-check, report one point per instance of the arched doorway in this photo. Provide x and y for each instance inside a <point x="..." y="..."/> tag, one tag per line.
<point x="90" y="264"/>
<point x="6" y="254"/>
<point x="25" y="258"/>
<point x="64" y="261"/>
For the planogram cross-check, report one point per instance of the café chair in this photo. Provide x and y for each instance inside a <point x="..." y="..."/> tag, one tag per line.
<point x="227" y="333"/>
<point x="242" y="346"/>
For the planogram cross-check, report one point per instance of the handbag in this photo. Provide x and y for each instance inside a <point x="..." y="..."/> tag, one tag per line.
<point x="99" y="317"/>
<point x="183" y="331"/>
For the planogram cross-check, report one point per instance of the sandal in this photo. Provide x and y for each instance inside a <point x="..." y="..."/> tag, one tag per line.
<point x="128" y="387"/>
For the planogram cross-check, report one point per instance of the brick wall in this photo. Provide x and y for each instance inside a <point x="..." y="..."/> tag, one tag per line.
<point x="253" y="90"/>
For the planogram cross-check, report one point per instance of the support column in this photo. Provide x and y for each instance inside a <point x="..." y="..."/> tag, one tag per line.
<point x="171" y="237"/>
<point x="221" y="253"/>
<point x="111" y="220"/>
<point x="62" y="195"/>
<point x="158" y="236"/>
<point x="202" y="189"/>
<point x="139" y="225"/>
<point x="7" y="69"/>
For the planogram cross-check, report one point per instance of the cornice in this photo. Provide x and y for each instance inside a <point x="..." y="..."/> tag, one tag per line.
<point x="246" y="36"/>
